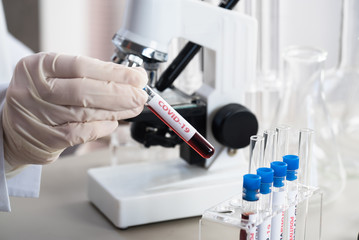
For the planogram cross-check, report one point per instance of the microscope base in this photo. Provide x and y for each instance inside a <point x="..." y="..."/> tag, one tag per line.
<point x="140" y="193"/>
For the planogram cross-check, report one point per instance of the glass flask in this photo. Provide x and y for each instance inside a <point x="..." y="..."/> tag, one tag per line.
<point x="302" y="106"/>
<point x="341" y="89"/>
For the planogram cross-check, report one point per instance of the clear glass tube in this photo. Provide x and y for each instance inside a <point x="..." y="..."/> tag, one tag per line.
<point x="264" y="93"/>
<point x="305" y="175"/>
<point x="282" y="141"/>
<point x="256" y="149"/>
<point x="303" y="106"/>
<point x="270" y="146"/>
<point x="342" y="87"/>
<point x="305" y="151"/>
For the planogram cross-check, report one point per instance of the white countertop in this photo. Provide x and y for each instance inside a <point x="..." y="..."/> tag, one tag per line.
<point x="64" y="212"/>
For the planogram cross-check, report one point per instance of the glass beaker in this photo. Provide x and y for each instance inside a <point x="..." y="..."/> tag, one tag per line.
<point x="342" y="87"/>
<point x="303" y="106"/>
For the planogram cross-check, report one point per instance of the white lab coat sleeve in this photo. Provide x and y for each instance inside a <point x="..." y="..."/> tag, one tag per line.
<point x="4" y="195"/>
<point x="27" y="182"/>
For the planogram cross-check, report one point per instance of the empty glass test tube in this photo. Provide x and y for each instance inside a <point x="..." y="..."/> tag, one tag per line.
<point x="256" y="148"/>
<point x="282" y="141"/>
<point x="178" y="124"/>
<point x="270" y="146"/>
<point x="305" y="152"/>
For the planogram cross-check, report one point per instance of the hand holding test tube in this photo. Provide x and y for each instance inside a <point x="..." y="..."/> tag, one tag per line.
<point x="172" y="118"/>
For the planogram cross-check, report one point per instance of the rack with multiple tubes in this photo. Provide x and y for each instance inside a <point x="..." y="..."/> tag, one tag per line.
<point x="229" y="220"/>
<point x="274" y="204"/>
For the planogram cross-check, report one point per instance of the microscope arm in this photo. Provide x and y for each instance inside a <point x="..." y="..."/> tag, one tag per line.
<point x="184" y="57"/>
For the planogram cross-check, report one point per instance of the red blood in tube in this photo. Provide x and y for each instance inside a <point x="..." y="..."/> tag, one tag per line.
<point x="201" y="145"/>
<point x="197" y="142"/>
<point x="243" y="235"/>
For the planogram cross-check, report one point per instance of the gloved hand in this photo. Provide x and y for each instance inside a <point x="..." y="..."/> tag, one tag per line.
<point x="55" y="101"/>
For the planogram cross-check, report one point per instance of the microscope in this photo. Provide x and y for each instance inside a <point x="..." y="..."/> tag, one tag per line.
<point x="140" y="193"/>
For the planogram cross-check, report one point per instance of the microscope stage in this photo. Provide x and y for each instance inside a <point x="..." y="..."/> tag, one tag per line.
<point x="145" y="192"/>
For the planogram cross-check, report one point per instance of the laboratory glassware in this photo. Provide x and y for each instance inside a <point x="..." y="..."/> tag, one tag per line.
<point x="282" y="141"/>
<point x="263" y="94"/>
<point x="172" y="118"/>
<point x="342" y="87"/>
<point x="305" y="151"/>
<point x="270" y="146"/>
<point x="256" y="150"/>
<point x="178" y="124"/>
<point x="302" y="106"/>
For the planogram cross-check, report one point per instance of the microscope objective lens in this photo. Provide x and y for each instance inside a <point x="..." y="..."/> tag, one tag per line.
<point x="178" y="124"/>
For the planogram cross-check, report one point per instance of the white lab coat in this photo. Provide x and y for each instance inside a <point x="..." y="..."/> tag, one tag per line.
<point x="27" y="182"/>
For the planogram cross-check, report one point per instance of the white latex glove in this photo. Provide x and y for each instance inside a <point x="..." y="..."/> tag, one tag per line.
<point x="55" y="101"/>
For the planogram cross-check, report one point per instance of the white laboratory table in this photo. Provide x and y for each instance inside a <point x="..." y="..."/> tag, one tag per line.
<point x="64" y="212"/>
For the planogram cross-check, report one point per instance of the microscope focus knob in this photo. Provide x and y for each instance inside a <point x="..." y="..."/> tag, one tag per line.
<point x="233" y="125"/>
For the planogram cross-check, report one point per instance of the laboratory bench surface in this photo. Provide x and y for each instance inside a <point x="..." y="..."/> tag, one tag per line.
<point x="63" y="210"/>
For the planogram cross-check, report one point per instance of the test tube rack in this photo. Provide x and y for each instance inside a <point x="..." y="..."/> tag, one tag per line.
<point x="225" y="221"/>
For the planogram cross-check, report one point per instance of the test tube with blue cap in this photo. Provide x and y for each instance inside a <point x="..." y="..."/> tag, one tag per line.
<point x="292" y="162"/>
<point x="250" y="205"/>
<point x="279" y="199"/>
<point x="265" y="202"/>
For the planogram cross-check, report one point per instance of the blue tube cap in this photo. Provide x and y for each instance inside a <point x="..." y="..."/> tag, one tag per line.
<point x="292" y="161"/>
<point x="251" y="181"/>
<point x="251" y="185"/>
<point x="266" y="179"/>
<point x="279" y="168"/>
<point x="266" y="174"/>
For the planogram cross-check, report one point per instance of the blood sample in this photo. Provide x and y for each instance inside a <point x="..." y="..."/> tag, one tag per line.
<point x="250" y="207"/>
<point x="178" y="124"/>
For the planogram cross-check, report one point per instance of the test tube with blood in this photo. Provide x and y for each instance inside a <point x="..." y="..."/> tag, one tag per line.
<point x="178" y="124"/>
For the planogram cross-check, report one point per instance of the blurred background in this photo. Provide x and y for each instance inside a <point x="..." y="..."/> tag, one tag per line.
<point x="86" y="26"/>
<point x="81" y="27"/>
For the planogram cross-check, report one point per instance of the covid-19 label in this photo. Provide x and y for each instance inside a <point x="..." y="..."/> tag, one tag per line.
<point x="172" y="117"/>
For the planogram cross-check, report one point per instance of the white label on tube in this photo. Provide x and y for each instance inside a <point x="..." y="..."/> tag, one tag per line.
<point x="278" y="220"/>
<point x="291" y="215"/>
<point x="252" y="229"/>
<point x="172" y="117"/>
<point x="264" y="230"/>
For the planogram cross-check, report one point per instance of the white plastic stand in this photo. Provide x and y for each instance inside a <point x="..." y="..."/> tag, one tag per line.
<point x="146" y="192"/>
